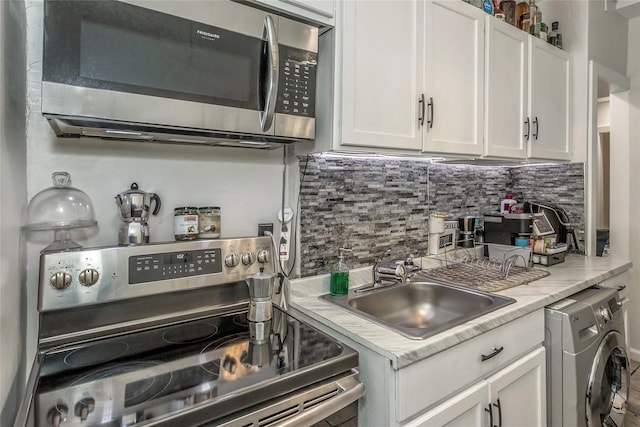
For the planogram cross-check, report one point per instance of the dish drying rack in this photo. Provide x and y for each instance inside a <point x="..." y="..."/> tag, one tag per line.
<point x="485" y="274"/>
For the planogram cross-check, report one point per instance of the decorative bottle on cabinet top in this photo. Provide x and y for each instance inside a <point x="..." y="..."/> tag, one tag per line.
<point x="555" y="38"/>
<point x="508" y="7"/>
<point x="522" y="15"/>
<point x="535" y="18"/>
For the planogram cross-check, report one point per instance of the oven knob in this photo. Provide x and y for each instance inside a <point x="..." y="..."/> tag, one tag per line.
<point x="57" y="415"/>
<point x="60" y="280"/>
<point x="84" y="407"/>
<point x="248" y="258"/>
<point x="89" y="277"/>
<point x="232" y="260"/>
<point x="263" y="256"/>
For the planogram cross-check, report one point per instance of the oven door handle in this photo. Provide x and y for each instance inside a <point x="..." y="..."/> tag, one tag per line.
<point x="352" y="390"/>
<point x="273" y="71"/>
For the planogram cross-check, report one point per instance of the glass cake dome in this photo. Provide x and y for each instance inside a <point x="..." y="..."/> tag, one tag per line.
<point x="60" y="208"/>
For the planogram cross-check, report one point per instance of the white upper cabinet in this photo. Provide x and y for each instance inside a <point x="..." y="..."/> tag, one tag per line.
<point x="549" y="102"/>
<point x="506" y="90"/>
<point x="381" y="62"/>
<point x="319" y="11"/>
<point x="440" y="77"/>
<point x="527" y="112"/>
<point x="454" y="77"/>
<point x="321" y="7"/>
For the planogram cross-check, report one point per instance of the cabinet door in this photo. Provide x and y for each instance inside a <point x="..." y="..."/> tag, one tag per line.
<point x="549" y="101"/>
<point x="518" y="392"/>
<point x="454" y="77"/>
<point x="316" y="10"/>
<point x="464" y="410"/>
<point x="322" y="7"/>
<point x="505" y="90"/>
<point x="381" y="62"/>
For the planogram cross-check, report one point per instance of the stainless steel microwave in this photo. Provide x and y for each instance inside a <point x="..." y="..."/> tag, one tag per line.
<point x="201" y="72"/>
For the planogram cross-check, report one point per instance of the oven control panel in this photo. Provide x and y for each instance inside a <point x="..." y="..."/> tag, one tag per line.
<point x="154" y="267"/>
<point x="100" y="275"/>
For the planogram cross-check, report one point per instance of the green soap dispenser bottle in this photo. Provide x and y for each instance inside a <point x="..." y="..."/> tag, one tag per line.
<point x="340" y="275"/>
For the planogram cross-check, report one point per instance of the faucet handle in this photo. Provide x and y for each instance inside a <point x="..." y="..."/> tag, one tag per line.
<point x="391" y="271"/>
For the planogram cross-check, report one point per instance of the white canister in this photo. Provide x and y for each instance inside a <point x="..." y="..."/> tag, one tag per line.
<point x="209" y="222"/>
<point x="436" y="222"/>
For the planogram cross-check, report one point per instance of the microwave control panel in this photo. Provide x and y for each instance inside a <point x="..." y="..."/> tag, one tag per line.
<point x="297" y="82"/>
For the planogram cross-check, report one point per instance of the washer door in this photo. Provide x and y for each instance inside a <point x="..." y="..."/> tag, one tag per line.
<point x="608" y="386"/>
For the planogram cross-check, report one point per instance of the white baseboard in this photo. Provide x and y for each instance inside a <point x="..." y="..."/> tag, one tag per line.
<point x="635" y="354"/>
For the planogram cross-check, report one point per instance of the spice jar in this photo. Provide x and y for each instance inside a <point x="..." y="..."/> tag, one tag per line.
<point x="185" y="223"/>
<point x="209" y="222"/>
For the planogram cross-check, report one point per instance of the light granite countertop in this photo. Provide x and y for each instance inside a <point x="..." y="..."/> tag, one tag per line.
<point x="575" y="274"/>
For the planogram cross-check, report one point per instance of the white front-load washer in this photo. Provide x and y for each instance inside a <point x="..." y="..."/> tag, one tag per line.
<point x="587" y="360"/>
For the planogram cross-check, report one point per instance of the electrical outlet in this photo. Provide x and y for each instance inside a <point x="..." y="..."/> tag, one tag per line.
<point x="265" y="227"/>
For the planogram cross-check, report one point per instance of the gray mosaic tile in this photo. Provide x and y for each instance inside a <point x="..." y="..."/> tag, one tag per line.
<point x="370" y="205"/>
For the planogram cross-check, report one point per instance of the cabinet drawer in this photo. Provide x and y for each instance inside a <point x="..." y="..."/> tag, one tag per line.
<point x="425" y="383"/>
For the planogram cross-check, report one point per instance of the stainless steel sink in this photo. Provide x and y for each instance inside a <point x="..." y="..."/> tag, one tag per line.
<point x="419" y="310"/>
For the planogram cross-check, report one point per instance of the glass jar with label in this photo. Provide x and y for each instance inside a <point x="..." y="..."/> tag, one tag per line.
<point x="209" y="222"/>
<point x="185" y="223"/>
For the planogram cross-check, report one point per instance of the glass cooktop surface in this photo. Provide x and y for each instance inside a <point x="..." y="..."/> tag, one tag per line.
<point x="222" y="362"/>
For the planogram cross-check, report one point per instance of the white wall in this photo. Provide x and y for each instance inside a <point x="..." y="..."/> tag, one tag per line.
<point x="12" y="205"/>
<point x="246" y="184"/>
<point x="633" y="72"/>
<point x="607" y="36"/>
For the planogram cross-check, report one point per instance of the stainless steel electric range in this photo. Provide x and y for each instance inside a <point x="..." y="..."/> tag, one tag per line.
<point x="160" y="335"/>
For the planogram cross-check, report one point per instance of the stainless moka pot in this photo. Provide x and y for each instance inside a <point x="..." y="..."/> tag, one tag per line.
<point x="260" y="290"/>
<point x="134" y="206"/>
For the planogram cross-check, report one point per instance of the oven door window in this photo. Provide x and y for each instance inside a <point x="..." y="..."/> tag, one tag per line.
<point x="121" y="47"/>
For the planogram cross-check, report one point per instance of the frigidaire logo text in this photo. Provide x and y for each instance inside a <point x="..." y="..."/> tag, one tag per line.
<point x="208" y="34"/>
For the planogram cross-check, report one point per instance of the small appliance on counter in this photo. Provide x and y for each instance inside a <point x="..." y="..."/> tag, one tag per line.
<point x="442" y="233"/>
<point x="547" y="250"/>
<point x="505" y="228"/>
<point x="559" y="222"/>
<point x="467" y="229"/>
<point x="134" y="206"/>
<point x="515" y="228"/>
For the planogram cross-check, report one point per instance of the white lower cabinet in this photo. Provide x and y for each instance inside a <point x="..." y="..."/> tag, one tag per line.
<point x="515" y="395"/>
<point x="465" y="410"/>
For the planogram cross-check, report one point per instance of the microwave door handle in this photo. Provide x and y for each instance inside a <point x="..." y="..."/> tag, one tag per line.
<point x="273" y="68"/>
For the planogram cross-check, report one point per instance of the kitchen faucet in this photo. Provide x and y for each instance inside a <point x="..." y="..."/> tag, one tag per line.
<point x="392" y="272"/>
<point x="375" y="276"/>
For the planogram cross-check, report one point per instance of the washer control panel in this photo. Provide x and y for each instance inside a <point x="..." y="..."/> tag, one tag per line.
<point x="94" y="276"/>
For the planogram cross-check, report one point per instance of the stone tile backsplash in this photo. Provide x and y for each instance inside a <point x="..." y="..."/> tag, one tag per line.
<point x="370" y="205"/>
